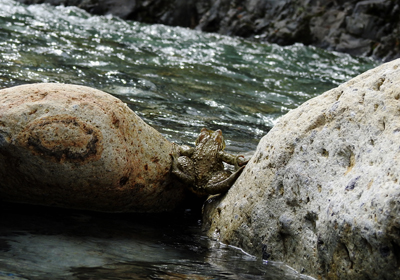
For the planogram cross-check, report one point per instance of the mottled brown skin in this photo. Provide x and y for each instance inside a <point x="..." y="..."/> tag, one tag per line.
<point x="201" y="167"/>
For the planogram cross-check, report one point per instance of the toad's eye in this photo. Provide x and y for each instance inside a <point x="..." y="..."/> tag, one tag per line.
<point x="201" y="138"/>
<point x="223" y="143"/>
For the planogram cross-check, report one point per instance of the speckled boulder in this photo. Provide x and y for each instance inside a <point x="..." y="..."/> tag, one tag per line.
<point x="322" y="192"/>
<point x="77" y="147"/>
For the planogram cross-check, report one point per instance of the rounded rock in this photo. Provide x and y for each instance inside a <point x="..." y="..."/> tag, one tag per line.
<point x="77" y="147"/>
<point x="322" y="191"/>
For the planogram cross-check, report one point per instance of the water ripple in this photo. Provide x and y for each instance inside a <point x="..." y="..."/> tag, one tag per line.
<point x="177" y="79"/>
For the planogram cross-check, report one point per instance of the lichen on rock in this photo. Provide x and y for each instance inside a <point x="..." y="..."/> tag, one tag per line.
<point x="322" y="191"/>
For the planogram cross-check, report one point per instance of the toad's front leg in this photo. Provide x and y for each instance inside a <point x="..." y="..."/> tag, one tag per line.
<point x="183" y="168"/>
<point x="237" y="161"/>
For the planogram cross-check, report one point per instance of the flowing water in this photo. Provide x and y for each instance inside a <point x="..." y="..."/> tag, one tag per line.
<point x="178" y="80"/>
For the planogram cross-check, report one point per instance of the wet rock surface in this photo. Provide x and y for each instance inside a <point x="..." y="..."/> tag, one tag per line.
<point x="322" y="191"/>
<point x="369" y="27"/>
<point x="77" y="147"/>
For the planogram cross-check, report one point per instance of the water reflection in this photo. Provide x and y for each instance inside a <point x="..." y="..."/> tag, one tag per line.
<point x="43" y="243"/>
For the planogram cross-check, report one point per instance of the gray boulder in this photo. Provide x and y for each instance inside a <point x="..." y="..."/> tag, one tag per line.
<point x="322" y="192"/>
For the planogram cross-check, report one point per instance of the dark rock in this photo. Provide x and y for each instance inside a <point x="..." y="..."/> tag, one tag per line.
<point x="353" y="45"/>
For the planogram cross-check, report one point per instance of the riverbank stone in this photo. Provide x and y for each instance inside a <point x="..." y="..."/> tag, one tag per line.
<point x="322" y="191"/>
<point x="77" y="147"/>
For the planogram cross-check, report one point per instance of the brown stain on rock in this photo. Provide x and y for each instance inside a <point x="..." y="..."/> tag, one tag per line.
<point x="61" y="139"/>
<point x="76" y="147"/>
<point x="155" y="159"/>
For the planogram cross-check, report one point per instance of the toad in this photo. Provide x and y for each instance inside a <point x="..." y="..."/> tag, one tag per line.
<point x="201" y="167"/>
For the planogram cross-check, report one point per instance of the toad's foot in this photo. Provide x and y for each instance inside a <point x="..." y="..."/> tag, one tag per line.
<point x="239" y="163"/>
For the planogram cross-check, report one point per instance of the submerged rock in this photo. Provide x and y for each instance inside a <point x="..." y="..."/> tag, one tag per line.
<point x="322" y="191"/>
<point x="77" y="147"/>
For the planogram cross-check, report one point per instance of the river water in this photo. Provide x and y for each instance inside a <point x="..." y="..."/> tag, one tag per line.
<point x="178" y="80"/>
